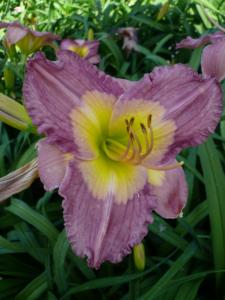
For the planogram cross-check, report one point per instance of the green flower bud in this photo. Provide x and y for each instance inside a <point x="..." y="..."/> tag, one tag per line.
<point x="139" y="256"/>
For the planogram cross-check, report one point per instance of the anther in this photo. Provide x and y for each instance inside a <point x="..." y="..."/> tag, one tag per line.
<point x="131" y="121"/>
<point x="149" y="121"/>
<point x="143" y="128"/>
<point x="127" y="122"/>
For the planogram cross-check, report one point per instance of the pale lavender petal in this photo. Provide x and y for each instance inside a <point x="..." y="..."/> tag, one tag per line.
<point x="52" y="165"/>
<point x="124" y="83"/>
<point x="191" y="43"/>
<point x="171" y="193"/>
<point x="66" y="44"/>
<point x="213" y="60"/>
<point x="93" y="56"/>
<point x="101" y="229"/>
<point x="53" y="88"/>
<point x="193" y="103"/>
<point x="15" y="32"/>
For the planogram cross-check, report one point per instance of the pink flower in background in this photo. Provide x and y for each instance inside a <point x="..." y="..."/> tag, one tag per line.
<point x="130" y="39"/>
<point x="85" y="49"/>
<point x="191" y="43"/>
<point x="213" y="56"/>
<point x="26" y="39"/>
<point x="111" y="146"/>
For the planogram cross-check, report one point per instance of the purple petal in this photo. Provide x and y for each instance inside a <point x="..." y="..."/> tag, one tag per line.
<point x="191" y="43"/>
<point x="213" y="60"/>
<point x="52" y="165"/>
<point x="101" y="229"/>
<point x="170" y="191"/>
<point x="193" y="103"/>
<point x="52" y="89"/>
<point x="66" y="44"/>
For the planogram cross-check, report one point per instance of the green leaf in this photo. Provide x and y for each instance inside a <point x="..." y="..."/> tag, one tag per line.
<point x="189" y="290"/>
<point x="28" y="214"/>
<point x="9" y="247"/>
<point x="59" y="256"/>
<point x="34" y="289"/>
<point x="30" y="243"/>
<point x="215" y="190"/>
<point x="115" y="50"/>
<point x="168" y="276"/>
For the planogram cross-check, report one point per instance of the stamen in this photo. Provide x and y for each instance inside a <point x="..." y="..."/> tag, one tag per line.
<point x="134" y="151"/>
<point x="144" y="130"/>
<point x="136" y="139"/>
<point x="82" y="158"/>
<point x="135" y="155"/>
<point x="151" y="137"/>
<point x="167" y="167"/>
<point x="126" y="152"/>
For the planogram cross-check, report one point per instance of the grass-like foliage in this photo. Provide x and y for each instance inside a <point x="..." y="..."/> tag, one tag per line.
<point x="185" y="258"/>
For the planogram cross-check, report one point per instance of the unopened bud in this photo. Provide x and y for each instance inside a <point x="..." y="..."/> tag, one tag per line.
<point x="139" y="256"/>
<point x="90" y="34"/>
<point x="163" y="11"/>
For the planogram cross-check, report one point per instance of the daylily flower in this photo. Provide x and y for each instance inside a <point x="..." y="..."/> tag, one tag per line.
<point x="26" y="39"/>
<point x="130" y="39"/>
<point x="213" y="57"/>
<point x="110" y="146"/>
<point x="191" y="43"/>
<point x="85" y="49"/>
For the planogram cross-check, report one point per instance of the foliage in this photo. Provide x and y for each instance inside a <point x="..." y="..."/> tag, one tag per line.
<point x="185" y="258"/>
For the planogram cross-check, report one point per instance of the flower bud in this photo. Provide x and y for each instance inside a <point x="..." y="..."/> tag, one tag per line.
<point x="139" y="256"/>
<point x="90" y="34"/>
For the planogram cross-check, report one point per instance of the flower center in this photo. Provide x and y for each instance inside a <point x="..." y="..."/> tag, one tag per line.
<point x="137" y="148"/>
<point x="82" y="51"/>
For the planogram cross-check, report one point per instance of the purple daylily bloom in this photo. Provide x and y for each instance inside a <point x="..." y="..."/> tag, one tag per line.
<point x="213" y="57"/>
<point x="26" y="39"/>
<point x="110" y="146"/>
<point x="191" y="43"/>
<point x="85" y="49"/>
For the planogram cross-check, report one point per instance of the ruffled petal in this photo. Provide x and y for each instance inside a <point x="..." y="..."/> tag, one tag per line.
<point x="213" y="60"/>
<point x="52" y="164"/>
<point x="191" y="43"/>
<point x="52" y="89"/>
<point x="170" y="190"/>
<point x="192" y="103"/>
<point x="101" y="229"/>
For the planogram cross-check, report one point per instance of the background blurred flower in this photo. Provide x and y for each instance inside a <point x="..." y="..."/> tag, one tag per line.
<point x="26" y="39"/>
<point x="213" y="56"/>
<point x="191" y="43"/>
<point x="85" y="49"/>
<point x="129" y="35"/>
